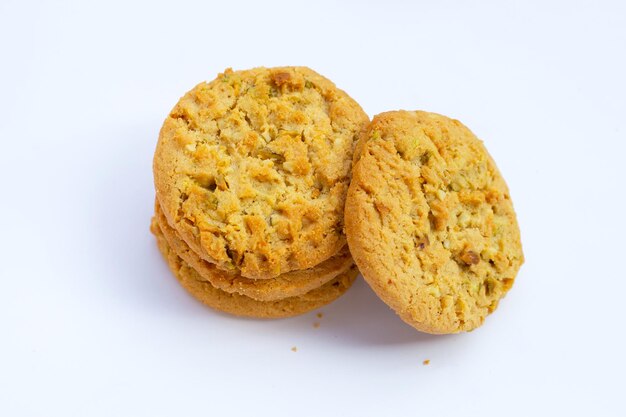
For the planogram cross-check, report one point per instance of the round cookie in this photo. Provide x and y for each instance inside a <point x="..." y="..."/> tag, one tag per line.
<point x="430" y="222"/>
<point x="252" y="169"/>
<point x="240" y="305"/>
<point x="287" y="285"/>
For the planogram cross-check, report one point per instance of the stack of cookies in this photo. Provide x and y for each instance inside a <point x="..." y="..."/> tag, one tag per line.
<point x="251" y="173"/>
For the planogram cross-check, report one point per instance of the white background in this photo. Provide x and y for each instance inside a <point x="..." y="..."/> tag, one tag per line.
<point x="92" y="322"/>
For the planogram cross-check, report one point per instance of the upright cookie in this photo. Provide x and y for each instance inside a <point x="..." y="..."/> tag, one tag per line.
<point x="430" y="222"/>
<point x="252" y="169"/>
<point x="291" y="284"/>
<point x="240" y="305"/>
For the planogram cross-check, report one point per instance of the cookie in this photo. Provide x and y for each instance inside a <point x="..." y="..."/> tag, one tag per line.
<point x="430" y="222"/>
<point x="241" y="305"/>
<point x="252" y="169"/>
<point x="287" y="285"/>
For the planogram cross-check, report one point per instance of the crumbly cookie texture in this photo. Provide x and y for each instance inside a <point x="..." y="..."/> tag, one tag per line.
<point x="430" y="222"/>
<point x="241" y="305"/>
<point x="287" y="285"/>
<point x="252" y="169"/>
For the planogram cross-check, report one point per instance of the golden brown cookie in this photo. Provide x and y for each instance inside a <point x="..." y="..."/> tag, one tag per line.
<point x="430" y="222"/>
<point x="287" y="285"/>
<point x="240" y="305"/>
<point x="252" y="169"/>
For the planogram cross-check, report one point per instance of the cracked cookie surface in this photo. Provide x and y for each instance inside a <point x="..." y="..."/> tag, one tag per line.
<point x="286" y="285"/>
<point x="240" y="305"/>
<point x="430" y="222"/>
<point x="252" y="169"/>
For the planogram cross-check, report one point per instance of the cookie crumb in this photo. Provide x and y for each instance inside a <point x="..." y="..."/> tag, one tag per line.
<point x="316" y="325"/>
<point x="426" y="362"/>
<point x="294" y="349"/>
<point x="320" y="315"/>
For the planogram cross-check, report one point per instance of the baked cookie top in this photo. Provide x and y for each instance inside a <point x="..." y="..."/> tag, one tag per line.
<point x="240" y="305"/>
<point x="286" y="285"/>
<point x="430" y="222"/>
<point x="252" y="169"/>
